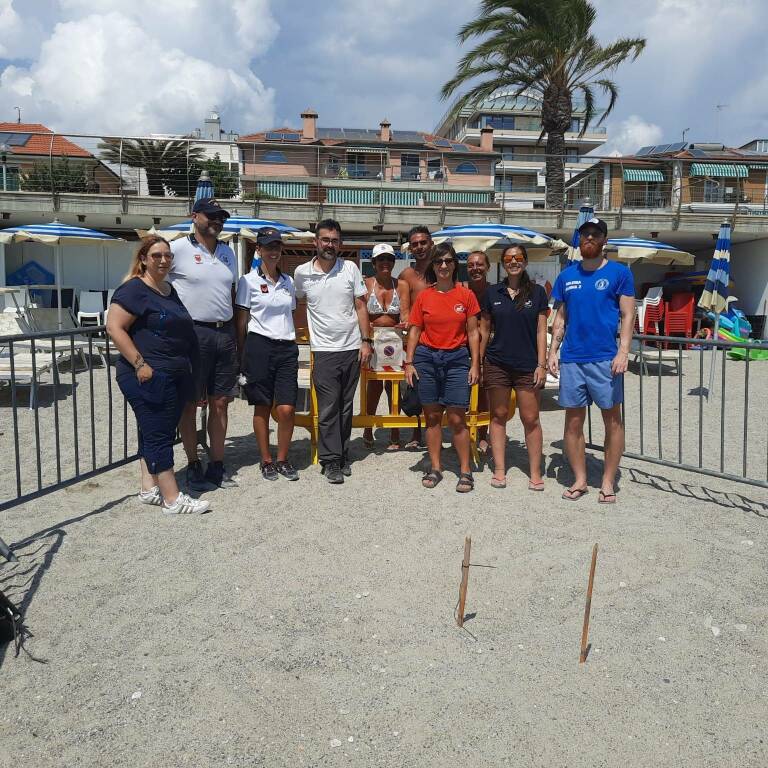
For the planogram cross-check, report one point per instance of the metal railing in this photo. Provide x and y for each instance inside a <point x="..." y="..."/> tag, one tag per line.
<point x="64" y="418"/>
<point x="675" y="418"/>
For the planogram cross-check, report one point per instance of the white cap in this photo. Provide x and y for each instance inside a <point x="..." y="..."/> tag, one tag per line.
<point x="382" y="248"/>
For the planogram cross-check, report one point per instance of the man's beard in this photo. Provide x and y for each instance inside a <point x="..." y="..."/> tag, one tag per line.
<point x="329" y="255"/>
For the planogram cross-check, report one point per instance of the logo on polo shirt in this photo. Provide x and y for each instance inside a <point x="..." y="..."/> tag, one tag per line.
<point x="459" y="308"/>
<point x="198" y="259"/>
<point x="528" y="304"/>
<point x="601" y="284"/>
<point x="264" y="288"/>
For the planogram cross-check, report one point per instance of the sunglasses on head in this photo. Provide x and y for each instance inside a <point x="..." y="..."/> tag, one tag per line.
<point x="443" y="260"/>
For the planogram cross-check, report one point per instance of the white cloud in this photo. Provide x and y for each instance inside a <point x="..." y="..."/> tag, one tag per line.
<point x="102" y="68"/>
<point x="629" y="135"/>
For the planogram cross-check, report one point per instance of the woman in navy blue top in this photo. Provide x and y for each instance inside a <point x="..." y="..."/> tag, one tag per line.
<point x="155" y="336"/>
<point x="515" y="358"/>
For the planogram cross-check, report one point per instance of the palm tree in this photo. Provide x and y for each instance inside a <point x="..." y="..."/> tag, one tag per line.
<point x="545" y="47"/>
<point x="171" y="165"/>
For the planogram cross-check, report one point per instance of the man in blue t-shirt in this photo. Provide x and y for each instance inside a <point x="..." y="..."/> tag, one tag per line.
<point x="594" y="294"/>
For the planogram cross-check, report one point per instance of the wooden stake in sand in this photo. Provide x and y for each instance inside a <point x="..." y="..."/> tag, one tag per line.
<point x="464" y="580"/>
<point x="588" y="607"/>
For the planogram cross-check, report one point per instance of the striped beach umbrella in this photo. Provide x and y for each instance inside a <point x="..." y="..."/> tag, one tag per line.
<point x="204" y="187"/>
<point x="714" y="298"/>
<point x="632" y="249"/>
<point x="586" y="212"/>
<point x="491" y="237"/>
<point x="233" y="226"/>
<point x="56" y="234"/>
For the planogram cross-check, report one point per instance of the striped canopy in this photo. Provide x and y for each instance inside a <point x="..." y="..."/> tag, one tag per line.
<point x="490" y="237"/>
<point x="54" y="233"/>
<point x="715" y="295"/>
<point x="634" y="249"/>
<point x="235" y="225"/>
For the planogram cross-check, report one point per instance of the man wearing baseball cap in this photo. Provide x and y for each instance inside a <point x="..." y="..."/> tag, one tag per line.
<point x="269" y="357"/>
<point x="204" y="272"/>
<point x="595" y="294"/>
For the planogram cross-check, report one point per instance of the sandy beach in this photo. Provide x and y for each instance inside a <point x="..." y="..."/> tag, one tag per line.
<point x="309" y="624"/>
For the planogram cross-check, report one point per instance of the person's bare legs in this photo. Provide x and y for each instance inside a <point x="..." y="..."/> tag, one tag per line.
<point x="286" y="417"/>
<point x="261" y="430"/>
<point x="528" y="403"/>
<point x="458" y="423"/>
<point x="394" y="434"/>
<point x="498" y="398"/>
<point x="433" y="417"/>
<point x="482" y="406"/>
<point x="614" y="447"/>
<point x="373" y="396"/>
<point x="188" y="430"/>
<point x="217" y="426"/>
<point x="148" y="481"/>
<point x="573" y="438"/>
<point x="169" y="489"/>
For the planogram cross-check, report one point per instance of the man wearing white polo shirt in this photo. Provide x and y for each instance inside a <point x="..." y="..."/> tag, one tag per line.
<point x="203" y="273"/>
<point x="340" y="340"/>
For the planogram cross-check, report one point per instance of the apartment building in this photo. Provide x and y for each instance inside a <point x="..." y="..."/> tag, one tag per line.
<point x="519" y="181"/>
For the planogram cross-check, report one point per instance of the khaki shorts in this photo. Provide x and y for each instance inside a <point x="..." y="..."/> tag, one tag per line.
<point x="500" y="376"/>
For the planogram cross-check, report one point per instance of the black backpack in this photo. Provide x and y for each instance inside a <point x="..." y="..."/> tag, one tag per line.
<point x="11" y="624"/>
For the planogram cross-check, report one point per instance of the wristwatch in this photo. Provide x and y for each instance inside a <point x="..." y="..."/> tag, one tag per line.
<point x="368" y="341"/>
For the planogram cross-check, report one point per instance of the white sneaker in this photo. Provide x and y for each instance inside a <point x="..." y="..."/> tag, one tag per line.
<point x="186" y="505"/>
<point x="151" y="497"/>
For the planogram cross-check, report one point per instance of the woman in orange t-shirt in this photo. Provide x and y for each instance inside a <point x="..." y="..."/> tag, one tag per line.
<point x="443" y="323"/>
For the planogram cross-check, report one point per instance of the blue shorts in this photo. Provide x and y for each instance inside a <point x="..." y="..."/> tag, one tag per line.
<point x="582" y="384"/>
<point x="443" y="376"/>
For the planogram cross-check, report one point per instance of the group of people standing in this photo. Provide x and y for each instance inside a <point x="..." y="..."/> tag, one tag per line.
<point x="188" y="329"/>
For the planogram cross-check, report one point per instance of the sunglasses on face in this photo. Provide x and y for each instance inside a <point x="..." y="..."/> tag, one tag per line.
<point x="515" y="260"/>
<point x="446" y="260"/>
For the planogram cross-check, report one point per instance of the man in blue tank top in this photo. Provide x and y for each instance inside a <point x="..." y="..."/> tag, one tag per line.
<point x="595" y="295"/>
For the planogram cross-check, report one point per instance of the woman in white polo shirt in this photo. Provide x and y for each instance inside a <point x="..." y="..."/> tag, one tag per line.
<point x="269" y="356"/>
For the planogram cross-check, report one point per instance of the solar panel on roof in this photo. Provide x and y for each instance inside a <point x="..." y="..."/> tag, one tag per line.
<point x="276" y="136"/>
<point x="291" y="137"/>
<point x="677" y="147"/>
<point x="696" y="152"/>
<point x="272" y="136"/>
<point x="410" y="137"/>
<point x="442" y="143"/>
<point x="644" y="151"/>
<point x="460" y="147"/>
<point x="15" y="139"/>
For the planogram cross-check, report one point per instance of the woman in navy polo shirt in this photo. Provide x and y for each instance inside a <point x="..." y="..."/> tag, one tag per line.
<point x="515" y="310"/>
<point x="156" y="339"/>
<point x="269" y="356"/>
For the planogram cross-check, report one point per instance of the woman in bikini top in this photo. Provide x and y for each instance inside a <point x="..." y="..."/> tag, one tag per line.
<point x="388" y="305"/>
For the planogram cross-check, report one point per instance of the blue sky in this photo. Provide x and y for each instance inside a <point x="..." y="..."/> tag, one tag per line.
<point x="99" y="66"/>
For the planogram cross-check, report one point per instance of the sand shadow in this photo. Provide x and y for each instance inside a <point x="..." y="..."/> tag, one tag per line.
<point x="559" y="469"/>
<point x="700" y="493"/>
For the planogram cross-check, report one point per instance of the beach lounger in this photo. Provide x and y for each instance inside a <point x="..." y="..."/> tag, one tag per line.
<point x="645" y="354"/>
<point x="44" y="319"/>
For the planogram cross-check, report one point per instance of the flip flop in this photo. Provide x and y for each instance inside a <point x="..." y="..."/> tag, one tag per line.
<point x="392" y="447"/>
<point x="411" y="444"/>
<point x="574" y="494"/>
<point x="498" y="483"/>
<point x="536" y="486"/>
<point x="606" y="498"/>
<point x="483" y="446"/>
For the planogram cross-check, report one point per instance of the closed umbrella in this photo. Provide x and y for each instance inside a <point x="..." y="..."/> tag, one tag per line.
<point x="57" y="235"/>
<point x="714" y="298"/>
<point x="586" y="212"/>
<point x="204" y="187"/>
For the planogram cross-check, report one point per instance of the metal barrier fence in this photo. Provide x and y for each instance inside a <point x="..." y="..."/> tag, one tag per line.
<point x="673" y="418"/>
<point x="76" y="423"/>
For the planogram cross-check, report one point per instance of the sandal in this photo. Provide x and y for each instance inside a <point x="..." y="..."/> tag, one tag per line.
<point x="536" y="486"/>
<point x="392" y="447"/>
<point x="466" y="483"/>
<point x="496" y="483"/>
<point x="574" y="494"/>
<point x="412" y="444"/>
<point x="368" y="441"/>
<point x="606" y="498"/>
<point x="432" y="478"/>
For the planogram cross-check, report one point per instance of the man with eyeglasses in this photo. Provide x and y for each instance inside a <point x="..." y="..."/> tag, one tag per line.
<point x="596" y="294"/>
<point x="204" y="274"/>
<point x="420" y="247"/>
<point x="340" y="340"/>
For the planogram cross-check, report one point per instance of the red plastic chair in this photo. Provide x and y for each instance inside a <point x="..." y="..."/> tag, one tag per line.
<point x="678" y="317"/>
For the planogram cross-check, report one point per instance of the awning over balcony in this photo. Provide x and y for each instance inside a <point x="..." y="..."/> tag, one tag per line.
<point x="286" y="190"/>
<point x="642" y="174"/>
<point x="366" y="150"/>
<point x="719" y="169"/>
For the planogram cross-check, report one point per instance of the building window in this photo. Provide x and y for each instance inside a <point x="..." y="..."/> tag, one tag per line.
<point x="275" y="156"/>
<point x="498" y="122"/>
<point x="466" y="167"/>
<point x="435" y="169"/>
<point x="409" y="166"/>
<point x="575" y="125"/>
<point x="572" y="154"/>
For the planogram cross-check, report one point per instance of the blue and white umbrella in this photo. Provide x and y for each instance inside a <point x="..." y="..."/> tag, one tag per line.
<point x="56" y="234"/>
<point x="233" y="226"/>
<point x="204" y="187"/>
<point x="714" y="298"/>
<point x="493" y="237"/>
<point x="586" y="212"/>
<point x="632" y="249"/>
